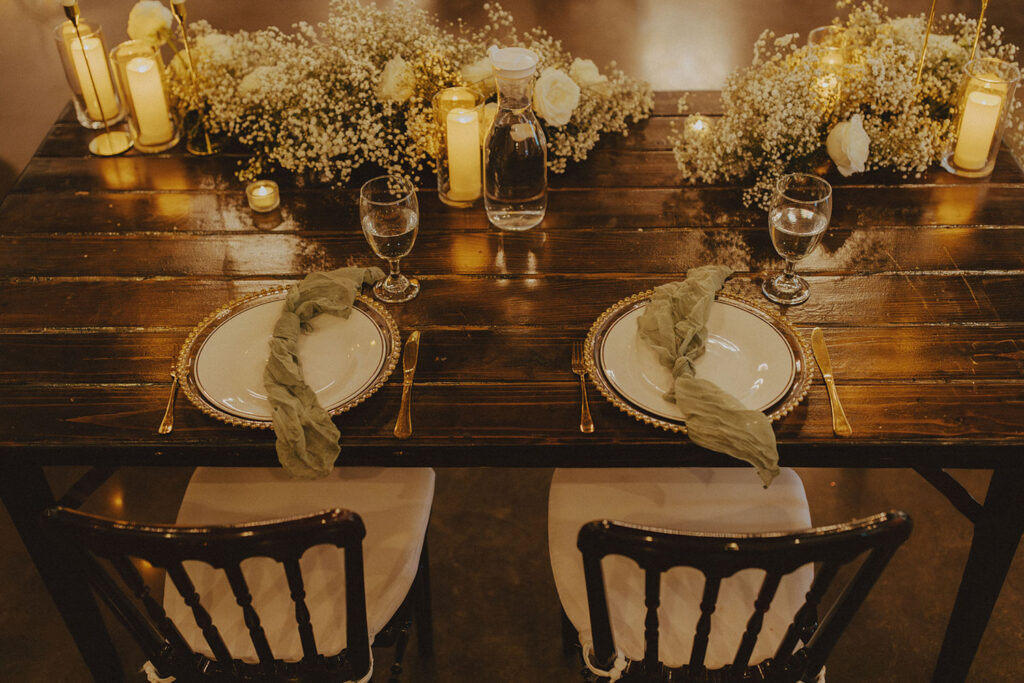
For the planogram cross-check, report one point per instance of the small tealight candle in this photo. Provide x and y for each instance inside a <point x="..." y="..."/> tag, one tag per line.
<point x="263" y="196"/>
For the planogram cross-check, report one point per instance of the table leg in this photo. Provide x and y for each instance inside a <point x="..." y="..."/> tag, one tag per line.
<point x="997" y="532"/>
<point x="26" y="493"/>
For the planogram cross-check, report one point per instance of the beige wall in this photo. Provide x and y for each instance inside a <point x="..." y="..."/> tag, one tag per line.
<point x="675" y="44"/>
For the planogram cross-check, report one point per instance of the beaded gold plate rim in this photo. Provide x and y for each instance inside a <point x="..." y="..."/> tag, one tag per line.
<point x="801" y="353"/>
<point x="185" y="366"/>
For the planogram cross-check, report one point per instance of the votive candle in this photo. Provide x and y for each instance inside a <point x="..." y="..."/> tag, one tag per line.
<point x="977" y="130"/>
<point x="463" y="127"/>
<point x="263" y="196"/>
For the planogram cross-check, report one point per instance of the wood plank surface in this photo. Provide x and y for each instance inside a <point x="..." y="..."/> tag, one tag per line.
<point x="550" y="252"/>
<point x="859" y="354"/>
<point x="106" y="265"/>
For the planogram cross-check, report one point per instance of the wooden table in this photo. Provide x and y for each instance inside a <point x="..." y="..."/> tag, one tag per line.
<point x="107" y="264"/>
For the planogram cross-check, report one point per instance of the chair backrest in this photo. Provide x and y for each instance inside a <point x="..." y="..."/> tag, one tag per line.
<point x="718" y="556"/>
<point x="222" y="547"/>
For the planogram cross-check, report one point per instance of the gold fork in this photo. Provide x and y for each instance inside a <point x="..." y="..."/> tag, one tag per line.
<point x="586" y="424"/>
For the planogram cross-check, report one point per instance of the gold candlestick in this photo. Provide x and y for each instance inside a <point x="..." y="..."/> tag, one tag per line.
<point x="981" y="22"/>
<point x="109" y="143"/>
<point x="198" y="140"/>
<point x="924" y="48"/>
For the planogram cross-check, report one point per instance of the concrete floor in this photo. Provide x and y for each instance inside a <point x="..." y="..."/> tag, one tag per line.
<point x="496" y="612"/>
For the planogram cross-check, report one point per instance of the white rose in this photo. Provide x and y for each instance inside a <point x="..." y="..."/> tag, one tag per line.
<point x="216" y="46"/>
<point x="396" y="81"/>
<point x="555" y="96"/>
<point x="150" y="21"/>
<point x="481" y="74"/>
<point x="848" y="145"/>
<point x="585" y="72"/>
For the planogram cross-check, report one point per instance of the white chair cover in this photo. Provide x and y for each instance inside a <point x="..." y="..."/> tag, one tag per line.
<point x="726" y="500"/>
<point x="394" y="504"/>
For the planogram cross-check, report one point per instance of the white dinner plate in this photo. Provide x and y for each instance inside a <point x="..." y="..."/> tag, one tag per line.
<point x="750" y="353"/>
<point x="343" y="360"/>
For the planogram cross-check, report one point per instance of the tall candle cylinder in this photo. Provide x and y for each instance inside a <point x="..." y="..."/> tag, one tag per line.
<point x="464" y="154"/>
<point x="90" y="60"/>
<point x="983" y="105"/>
<point x="140" y="75"/>
<point x="149" y="101"/>
<point x="459" y="114"/>
<point x="88" y="73"/>
<point x="977" y="130"/>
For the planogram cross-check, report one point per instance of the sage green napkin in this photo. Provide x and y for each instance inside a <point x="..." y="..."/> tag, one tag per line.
<point x="674" y="325"/>
<point x="307" y="440"/>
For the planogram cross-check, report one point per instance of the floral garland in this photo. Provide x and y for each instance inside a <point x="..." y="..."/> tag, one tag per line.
<point x="357" y="88"/>
<point x="790" y="107"/>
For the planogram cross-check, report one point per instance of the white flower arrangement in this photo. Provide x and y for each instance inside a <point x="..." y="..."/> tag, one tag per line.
<point x="793" y="110"/>
<point x="357" y="88"/>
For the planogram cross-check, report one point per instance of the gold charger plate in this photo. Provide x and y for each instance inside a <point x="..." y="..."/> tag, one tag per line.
<point x="345" y="360"/>
<point x="751" y="352"/>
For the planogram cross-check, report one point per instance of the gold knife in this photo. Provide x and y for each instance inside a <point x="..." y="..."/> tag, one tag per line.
<point x="840" y="425"/>
<point x="403" y="425"/>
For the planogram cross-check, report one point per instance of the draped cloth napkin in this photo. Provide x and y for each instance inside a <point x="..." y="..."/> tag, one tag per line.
<point x="674" y="325"/>
<point x="307" y="440"/>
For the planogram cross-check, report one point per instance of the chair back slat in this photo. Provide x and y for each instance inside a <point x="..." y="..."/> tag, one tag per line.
<point x="806" y="619"/>
<point x="652" y="599"/>
<point x="769" y="587"/>
<point x="601" y="627"/>
<point x="297" y="591"/>
<point x="719" y="556"/>
<point x="187" y="590"/>
<point x="223" y="548"/>
<point x="358" y="643"/>
<point x="708" y="602"/>
<point x="240" y="588"/>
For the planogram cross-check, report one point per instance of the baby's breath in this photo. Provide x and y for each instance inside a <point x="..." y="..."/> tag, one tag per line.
<point x="310" y="102"/>
<point x="778" y="111"/>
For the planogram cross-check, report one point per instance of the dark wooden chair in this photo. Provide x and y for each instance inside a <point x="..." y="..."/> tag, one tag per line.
<point x="109" y="544"/>
<point x="802" y="651"/>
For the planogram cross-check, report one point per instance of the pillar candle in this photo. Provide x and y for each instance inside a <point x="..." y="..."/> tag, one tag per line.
<point x="977" y="129"/>
<point x="95" y="59"/>
<point x="149" y="103"/>
<point x="463" y="126"/>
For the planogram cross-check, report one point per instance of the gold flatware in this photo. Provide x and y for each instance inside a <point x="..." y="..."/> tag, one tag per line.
<point x="586" y="424"/>
<point x="403" y="425"/>
<point x="167" y="424"/>
<point x="840" y="425"/>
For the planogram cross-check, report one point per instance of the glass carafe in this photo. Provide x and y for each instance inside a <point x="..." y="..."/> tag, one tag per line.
<point x="515" y="152"/>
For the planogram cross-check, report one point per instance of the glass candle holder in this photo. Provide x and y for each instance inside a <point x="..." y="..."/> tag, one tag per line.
<point x="88" y="73"/>
<point x="827" y="42"/>
<point x="459" y="114"/>
<point x="141" y="80"/>
<point x="263" y="196"/>
<point x="983" y="105"/>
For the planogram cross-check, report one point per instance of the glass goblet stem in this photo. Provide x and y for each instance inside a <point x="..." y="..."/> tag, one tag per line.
<point x="394" y="280"/>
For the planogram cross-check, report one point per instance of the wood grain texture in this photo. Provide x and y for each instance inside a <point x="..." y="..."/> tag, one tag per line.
<point x="107" y="263"/>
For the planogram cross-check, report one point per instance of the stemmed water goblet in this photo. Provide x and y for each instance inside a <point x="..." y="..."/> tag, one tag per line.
<point x="800" y="211"/>
<point x="390" y="217"/>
